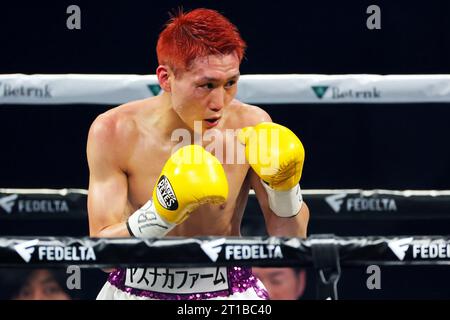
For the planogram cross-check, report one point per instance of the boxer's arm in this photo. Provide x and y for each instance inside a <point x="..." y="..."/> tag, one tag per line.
<point x="107" y="196"/>
<point x="295" y="226"/>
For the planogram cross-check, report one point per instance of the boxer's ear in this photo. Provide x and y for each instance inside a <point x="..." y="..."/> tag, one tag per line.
<point x="163" y="74"/>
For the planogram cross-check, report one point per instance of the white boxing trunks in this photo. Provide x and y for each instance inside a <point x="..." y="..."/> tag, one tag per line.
<point x="155" y="283"/>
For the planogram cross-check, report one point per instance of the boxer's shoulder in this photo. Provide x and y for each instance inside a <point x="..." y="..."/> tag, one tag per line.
<point x="123" y="122"/>
<point x="249" y="115"/>
<point x="112" y="127"/>
<point x="117" y="130"/>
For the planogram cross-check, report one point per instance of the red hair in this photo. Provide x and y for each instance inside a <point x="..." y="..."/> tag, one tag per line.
<point x="198" y="33"/>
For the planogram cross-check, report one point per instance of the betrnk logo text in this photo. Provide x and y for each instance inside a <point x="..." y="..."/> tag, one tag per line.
<point x="22" y="91"/>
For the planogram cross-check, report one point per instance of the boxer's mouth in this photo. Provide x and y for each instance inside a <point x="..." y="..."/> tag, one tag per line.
<point x="212" y="122"/>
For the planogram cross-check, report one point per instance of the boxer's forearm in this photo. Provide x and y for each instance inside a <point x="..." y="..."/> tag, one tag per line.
<point x="289" y="227"/>
<point x="118" y="230"/>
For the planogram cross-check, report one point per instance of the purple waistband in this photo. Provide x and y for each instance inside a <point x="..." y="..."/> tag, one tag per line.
<point x="240" y="279"/>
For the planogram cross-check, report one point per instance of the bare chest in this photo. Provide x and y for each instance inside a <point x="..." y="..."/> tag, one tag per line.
<point x="145" y="168"/>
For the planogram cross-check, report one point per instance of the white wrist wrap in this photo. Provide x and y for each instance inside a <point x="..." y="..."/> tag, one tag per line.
<point x="284" y="204"/>
<point x="147" y="223"/>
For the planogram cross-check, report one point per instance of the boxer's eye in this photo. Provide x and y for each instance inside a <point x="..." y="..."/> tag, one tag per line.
<point x="229" y="84"/>
<point x="208" y="86"/>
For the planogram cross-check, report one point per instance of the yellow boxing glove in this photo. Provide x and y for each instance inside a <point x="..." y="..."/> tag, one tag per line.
<point x="276" y="155"/>
<point x="191" y="177"/>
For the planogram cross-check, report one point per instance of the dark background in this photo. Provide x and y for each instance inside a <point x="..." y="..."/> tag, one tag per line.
<point x="402" y="146"/>
<point x="283" y="36"/>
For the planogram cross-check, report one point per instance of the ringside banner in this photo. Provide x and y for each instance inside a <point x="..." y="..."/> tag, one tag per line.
<point x="60" y="89"/>
<point x="208" y="251"/>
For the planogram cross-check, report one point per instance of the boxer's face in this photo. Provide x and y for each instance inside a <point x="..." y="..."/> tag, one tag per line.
<point x="205" y="90"/>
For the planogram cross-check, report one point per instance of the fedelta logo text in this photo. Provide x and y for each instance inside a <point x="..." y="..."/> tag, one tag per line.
<point x="7" y="204"/>
<point x="249" y="251"/>
<point x="241" y="251"/>
<point x="343" y="202"/>
<point x="53" y="252"/>
<point x="432" y="250"/>
<point x="7" y="90"/>
<point x="336" y="93"/>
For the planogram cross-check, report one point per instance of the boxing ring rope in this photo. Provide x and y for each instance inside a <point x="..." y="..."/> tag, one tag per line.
<point x="220" y="251"/>
<point x="257" y="89"/>
<point x="326" y="253"/>
<point x="326" y="203"/>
